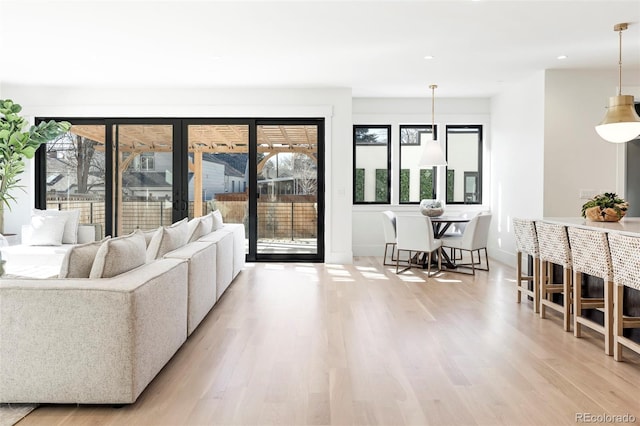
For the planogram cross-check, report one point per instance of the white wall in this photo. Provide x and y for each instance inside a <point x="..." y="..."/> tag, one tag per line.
<point x="332" y="104"/>
<point x="517" y="152"/>
<point x="576" y="158"/>
<point x="368" y="239"/>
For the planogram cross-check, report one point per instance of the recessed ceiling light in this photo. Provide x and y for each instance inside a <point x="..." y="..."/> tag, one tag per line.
<point x="562" y="57"/>
<point x="428" y="57"/>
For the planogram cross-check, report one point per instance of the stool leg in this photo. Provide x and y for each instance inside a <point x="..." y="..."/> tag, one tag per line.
<point x="519" y="275"/>
<point x="577" y="303"/>
<point x="544" y="277"/>
<point x="536" y="285"/>
<point x="566" y="294"/>
<point x="618" y="326"/>
<point x="608" y="318"/>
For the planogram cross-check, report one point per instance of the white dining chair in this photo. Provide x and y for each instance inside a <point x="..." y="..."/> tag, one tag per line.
<point x="473" y="240"/>
<point x="390" y="240"/>
<point x="415" y="235"/>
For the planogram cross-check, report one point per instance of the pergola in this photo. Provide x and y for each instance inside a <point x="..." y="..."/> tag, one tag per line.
<point x="212" y="138"/>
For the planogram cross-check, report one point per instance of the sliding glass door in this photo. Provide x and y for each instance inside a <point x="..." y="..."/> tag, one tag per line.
<point x="288" y="196"/>
<point x="146" y="188"/>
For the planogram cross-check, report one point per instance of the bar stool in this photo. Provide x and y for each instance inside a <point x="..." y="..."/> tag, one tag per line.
<point x="527" y="243"/>
<point x="554" y="249"/>
<point x="590" y="255"/>
<point x="626" y="273"/>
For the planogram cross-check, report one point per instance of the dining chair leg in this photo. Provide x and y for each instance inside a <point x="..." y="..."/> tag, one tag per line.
<point x="519" y="277"/>
<point x="486" y="257"/>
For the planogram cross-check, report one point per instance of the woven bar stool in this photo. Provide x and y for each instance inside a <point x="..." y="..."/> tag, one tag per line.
<point x="590" y="255"/>
<point x="625" y="257"/>
<point x="554" y="249"/>
<point x="527" y="243"/>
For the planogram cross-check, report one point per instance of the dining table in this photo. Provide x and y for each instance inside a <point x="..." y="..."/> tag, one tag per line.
<point x="441" y="225"/>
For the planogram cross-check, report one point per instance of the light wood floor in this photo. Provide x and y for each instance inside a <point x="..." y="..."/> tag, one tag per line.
<point x="314" y="344"/>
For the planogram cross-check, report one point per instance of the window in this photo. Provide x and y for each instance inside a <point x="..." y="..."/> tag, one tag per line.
<point x="147" y="161"/>
<point x="371" y="164"/>
<point x="464" y="164"/>
<point x="416" y="183"/>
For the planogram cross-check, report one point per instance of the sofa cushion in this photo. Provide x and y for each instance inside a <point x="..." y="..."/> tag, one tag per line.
<point x="78" y="260"/>
<point x="217" y="220"/>
<point x="166" y="239"/>
<point x="72" y="219"/>
<point x="46" y="230"/>
<point x="119" y="255"/>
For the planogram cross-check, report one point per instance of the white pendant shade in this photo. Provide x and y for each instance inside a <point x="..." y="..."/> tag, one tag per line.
<point x="432" y="155"/>
<point x="621" y="123"/>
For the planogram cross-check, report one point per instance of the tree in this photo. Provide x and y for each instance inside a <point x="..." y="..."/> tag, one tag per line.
<point x="79" y="153"/>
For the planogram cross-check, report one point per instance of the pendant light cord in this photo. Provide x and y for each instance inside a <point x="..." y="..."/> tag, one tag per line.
<point x="433" y="110"/>
<point x="620" y="28"/>
<point x="620" y="62"/>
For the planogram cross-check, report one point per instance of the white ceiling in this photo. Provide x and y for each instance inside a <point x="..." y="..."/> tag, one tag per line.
<point x="377" y="48"/>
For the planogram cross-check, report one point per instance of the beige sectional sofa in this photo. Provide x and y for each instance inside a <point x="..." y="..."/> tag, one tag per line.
<point x="102" y="340"/>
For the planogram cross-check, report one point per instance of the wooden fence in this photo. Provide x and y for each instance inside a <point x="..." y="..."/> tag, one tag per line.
<point x="276" y="220"/>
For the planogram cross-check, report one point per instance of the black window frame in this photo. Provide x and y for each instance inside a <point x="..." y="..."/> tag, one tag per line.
<point x="387" y="127"/>
<point x="471" y="128"/>
<point x="433" y="130"/>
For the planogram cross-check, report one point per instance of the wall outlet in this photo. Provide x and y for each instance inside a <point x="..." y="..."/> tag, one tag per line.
<point x="586" y="194"/>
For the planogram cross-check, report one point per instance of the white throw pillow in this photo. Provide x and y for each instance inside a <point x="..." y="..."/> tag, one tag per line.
<point x="119" y="255"/>
<point x="201" y="227"/>
<point x="72" y="218"/>
<point x="217" y="220"/>
<point x="78" y="260"/>
<point x="166" y="239"/>
<point x="148" y="235"/>
<point x="192" y="227"/>
<point x="206" y="224"/>
<point x="46" y="231"/>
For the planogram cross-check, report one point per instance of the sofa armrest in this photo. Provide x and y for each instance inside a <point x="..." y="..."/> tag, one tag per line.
<point x="94" y="341"/>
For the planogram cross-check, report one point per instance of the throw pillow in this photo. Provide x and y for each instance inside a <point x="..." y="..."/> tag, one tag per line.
<point x="72" y="218"/>
<point x="46" y="231"/>
<point x="217" y="220"/>
<point x="206" y="224"/>
<point x="192" y="227"/>
<point x="78" y="260"/>
<point x="119" y="255"/>
<point x="166" y="239"/>
<point x="148" y="235"/>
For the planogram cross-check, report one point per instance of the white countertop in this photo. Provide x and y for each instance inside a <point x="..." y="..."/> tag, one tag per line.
<point x="626" y="225"/>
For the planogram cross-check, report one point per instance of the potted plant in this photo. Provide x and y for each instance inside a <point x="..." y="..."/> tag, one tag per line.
<point x="607" y="207"/>
<point x="17" y="143"/>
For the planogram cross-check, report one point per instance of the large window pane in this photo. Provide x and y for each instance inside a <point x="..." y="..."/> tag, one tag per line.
<point x="218" y="171"/>
<point x="416" y="183"/>
<point x="287" y="171"/>
<point x="464" y="164"/>
<point x="75" y="170"/>
<point x="372" y="161"/>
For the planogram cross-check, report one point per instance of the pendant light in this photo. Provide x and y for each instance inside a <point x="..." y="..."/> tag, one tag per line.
<point x="621" y="123"/>
<point x="432" y="154"/>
